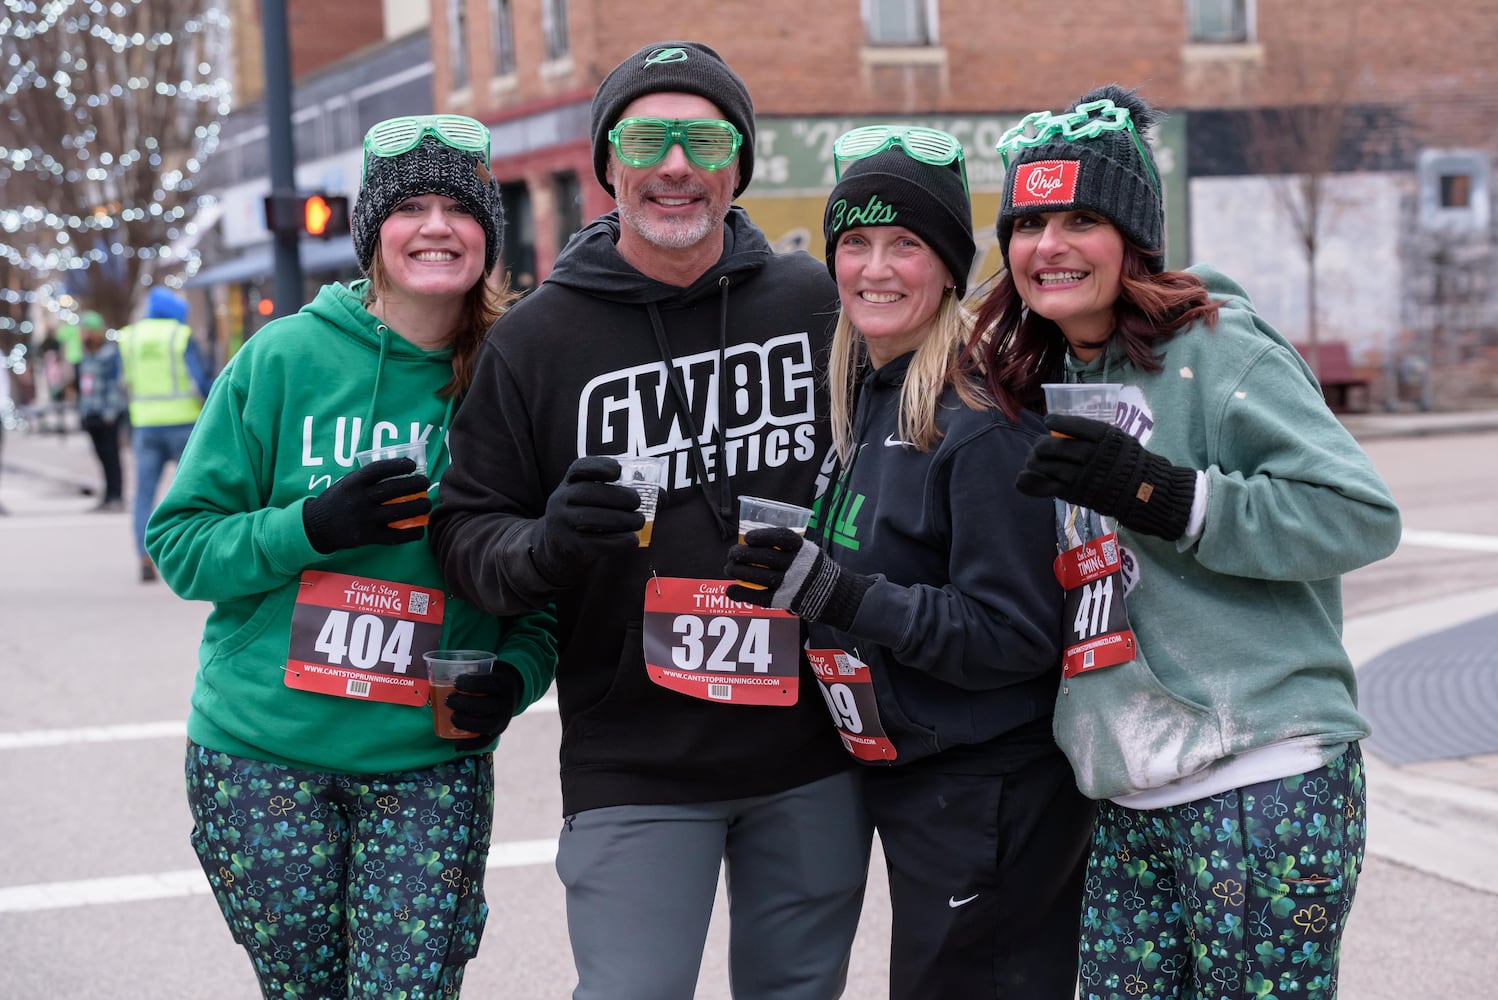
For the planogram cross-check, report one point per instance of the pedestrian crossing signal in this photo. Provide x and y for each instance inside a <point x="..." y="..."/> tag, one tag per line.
<point x="319" y="215"/>
<point x="325" y="216"/>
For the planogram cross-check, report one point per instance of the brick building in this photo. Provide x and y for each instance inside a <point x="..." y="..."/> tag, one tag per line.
<point x="1381" y="117"/>
<point x="1404" y="236"/>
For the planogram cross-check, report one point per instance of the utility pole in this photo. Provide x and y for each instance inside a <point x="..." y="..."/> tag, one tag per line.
<point x="282" y="140"/>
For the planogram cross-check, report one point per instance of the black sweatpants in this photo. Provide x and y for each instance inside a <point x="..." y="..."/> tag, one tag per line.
<point x="986" y="848"/>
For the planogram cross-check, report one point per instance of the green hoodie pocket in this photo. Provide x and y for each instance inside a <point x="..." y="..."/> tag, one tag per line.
<point x="1124" y="731"/>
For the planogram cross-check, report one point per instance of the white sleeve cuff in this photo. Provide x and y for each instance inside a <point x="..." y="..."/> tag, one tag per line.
<point x="1198" y="507"/>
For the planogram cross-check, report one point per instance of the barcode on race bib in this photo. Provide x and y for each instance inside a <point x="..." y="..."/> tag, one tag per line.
<point x="417" y="602"/>
<point x="723" y="692"/>
<point x="357" y="689"/>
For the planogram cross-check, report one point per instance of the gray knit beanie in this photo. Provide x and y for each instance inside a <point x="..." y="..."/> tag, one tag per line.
<point x="891" y="189"/>
<point x="431" y="167"/>
<point x="1104" y="174"/>
<point x="673" y="67"/>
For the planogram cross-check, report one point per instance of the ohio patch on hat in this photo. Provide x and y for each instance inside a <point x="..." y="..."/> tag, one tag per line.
<point x="1046" y="182"/>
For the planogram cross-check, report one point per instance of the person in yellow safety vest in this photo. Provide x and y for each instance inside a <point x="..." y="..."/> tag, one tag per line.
<point x="167" y="380"/>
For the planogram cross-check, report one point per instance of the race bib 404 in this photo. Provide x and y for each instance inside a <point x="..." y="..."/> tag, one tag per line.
<point x="700" y="643"/>
<point x="356" y="637"/>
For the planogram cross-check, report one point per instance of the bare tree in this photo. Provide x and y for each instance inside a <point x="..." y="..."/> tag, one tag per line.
<point x="108" y="112"/>
<point x="1296" y="145"/>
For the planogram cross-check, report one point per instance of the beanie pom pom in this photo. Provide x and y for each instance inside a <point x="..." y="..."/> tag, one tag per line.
<point x="1143" y="116"/>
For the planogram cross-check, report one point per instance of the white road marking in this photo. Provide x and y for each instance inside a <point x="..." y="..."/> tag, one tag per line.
<point x="29" y="739"/>
<point x="1449" y="540"/>
<point x="168" y="885"/>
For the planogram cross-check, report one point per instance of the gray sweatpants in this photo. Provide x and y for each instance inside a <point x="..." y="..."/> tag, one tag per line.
<point x="641" y="880"/>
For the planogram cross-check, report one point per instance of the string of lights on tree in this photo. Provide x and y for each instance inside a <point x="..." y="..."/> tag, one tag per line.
<point x="107" y="113"/>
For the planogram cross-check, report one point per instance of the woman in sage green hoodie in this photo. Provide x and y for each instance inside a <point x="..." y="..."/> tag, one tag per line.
<point x="1205" y="697"/>
<point x="344" y="839"/>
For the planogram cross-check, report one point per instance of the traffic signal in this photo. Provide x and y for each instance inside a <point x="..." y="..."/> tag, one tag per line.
<point x="318" y="214"/>
<point x="325" y="216"/>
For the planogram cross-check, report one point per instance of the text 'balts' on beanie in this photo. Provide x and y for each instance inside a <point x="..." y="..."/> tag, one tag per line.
<point x="891" y="189"/>
<point x="673" y="67"/>
<point x="430" y="167"/>
<point x="1102" y="173"/>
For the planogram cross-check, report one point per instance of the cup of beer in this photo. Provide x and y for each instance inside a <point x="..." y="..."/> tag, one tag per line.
<point x="1093" y="400"/>
<point x="415" y="451"/>
<point x="444" y="667"/>
<point x="646" y="475"/>
<point x="758" y="512"/>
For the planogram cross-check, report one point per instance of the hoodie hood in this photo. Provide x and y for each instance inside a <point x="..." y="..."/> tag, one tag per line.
<point x="590" y="263"/>
<point x="163" y="303"/>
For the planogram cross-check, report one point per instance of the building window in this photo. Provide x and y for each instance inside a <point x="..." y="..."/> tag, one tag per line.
<point x="502" y="36"/>
<point x="1220" y="22"/>
<point x="457" y="43"/>
<point x="900" y="22"/>
<point x="520" y="235"/>
<point x="1454" y="188"/>
<point x="568" y="198"/>
<point x="554" y="29"/>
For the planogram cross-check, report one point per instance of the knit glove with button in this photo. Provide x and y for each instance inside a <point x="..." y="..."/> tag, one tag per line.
<point x="1102" y="468"/>
<point x="589" y="516"/>
<point x="485" y="703"/>
<point x="796" y="577"/>
<point x="352" y="512"/>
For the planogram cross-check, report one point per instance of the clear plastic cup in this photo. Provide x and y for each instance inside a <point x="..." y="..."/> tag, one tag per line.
<point x="758" y="512"/>
<point x="1093" y="400"/>
<point x="646" y="475"/>
<point x="444" y="667"/>
<point x="416" y="452"/>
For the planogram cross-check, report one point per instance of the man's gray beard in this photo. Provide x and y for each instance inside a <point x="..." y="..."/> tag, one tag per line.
<point x="670" y="236"/>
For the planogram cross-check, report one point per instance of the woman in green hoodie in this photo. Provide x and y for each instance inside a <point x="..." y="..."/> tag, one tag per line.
<point x="1205" y="697"/>
<point x="344" y="840"/>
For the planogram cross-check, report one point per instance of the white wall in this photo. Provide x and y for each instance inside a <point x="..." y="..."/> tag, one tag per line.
<point x="405" y="16"/>
<point x="1239" y="226"/>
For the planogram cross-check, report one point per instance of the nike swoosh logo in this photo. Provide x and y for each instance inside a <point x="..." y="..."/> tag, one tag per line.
<point x="894" y="442"/>
<point x="954" y="902"/>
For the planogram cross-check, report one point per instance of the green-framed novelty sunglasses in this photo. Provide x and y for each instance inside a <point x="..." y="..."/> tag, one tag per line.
<point x="925" y="145"/>
<point x="395" y="136"/>
<point x="1040" y="127"/>
<point x="708" y="142"/>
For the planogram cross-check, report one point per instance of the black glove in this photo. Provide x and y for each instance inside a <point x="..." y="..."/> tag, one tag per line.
<point x="1100" y="467"/>
<point x="796" y="576"/>
<point x="352" y="511"/>
<point x="485" y="703"/>
<point x="587" y="517"/>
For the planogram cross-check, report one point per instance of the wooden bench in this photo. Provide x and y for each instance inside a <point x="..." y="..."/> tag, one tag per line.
<point x="1345" y="390"/>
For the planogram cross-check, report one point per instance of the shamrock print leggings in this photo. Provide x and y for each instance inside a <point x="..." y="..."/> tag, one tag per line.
<point x="346" y="885"/>
<point x="1243" y="894"/>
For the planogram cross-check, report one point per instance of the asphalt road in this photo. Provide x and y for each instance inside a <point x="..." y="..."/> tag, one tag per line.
<point x="99" y="892"/>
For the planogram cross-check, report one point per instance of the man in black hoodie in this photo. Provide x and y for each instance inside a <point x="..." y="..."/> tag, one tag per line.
<point x="693" y="735"/>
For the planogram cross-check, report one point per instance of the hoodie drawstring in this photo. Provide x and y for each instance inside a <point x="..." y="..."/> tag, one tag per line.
<point x="715" y="491"/>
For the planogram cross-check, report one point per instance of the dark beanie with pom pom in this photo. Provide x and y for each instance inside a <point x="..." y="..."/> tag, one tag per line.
<point x="1102" y="173"/>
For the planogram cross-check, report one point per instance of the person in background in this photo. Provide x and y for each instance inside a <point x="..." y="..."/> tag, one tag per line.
<point x="926" y="586"/>
<point x="1207" y="702"/>
<point x="167" y="380"/>
<point x="344" y="840"/>
<point x="101" y="403"/>
<point x="667" y="328"/>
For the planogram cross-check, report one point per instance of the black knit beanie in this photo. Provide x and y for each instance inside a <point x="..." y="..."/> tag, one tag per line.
<point x="891" y="189"/>
<point x="1103" y="174"/>
<point x="432" y="167"/>
<point x="673" y="67"/>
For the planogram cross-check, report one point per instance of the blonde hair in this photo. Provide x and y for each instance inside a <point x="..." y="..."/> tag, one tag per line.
<point x="931" y="370"/>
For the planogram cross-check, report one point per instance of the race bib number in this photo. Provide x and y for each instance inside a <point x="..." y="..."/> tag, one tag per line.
<point x="355" y="637"/>
<point x="1094" y="614"/>
<point x="848" y="688"/>
<point x="700" y="643"/>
